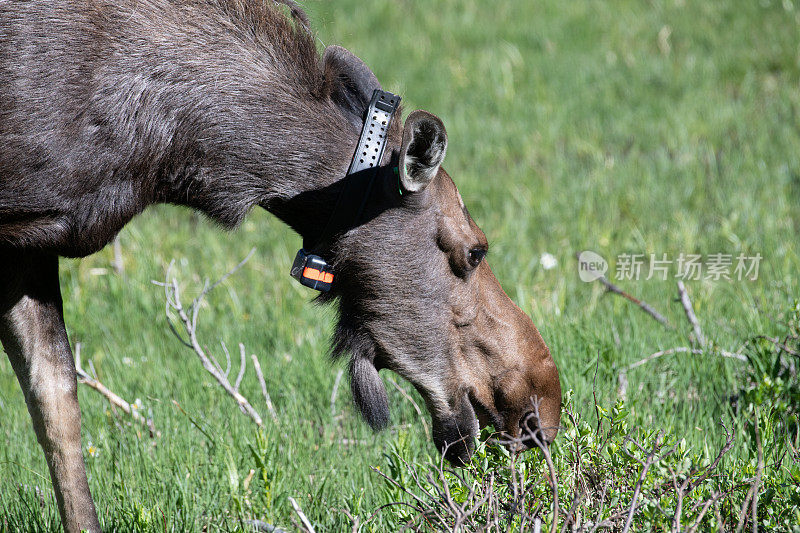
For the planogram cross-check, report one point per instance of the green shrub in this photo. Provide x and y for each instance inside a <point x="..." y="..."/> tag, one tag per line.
<point x="607" y="474"/>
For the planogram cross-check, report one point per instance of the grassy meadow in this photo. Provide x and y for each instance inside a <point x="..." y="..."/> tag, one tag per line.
<point x="623" y="127"/>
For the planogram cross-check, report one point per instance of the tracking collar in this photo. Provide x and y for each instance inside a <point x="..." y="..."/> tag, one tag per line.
<point x="310" y="269"/>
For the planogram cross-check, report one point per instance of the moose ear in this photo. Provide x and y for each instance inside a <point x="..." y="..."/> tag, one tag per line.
<point x="352" y="82"/>
<point x="422" y="151"/>
<point x="369" y="393"/>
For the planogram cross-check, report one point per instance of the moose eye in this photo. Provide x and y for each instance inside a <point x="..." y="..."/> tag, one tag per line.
<point x="475" y="256"/>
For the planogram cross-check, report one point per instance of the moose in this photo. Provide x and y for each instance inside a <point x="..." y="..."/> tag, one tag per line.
<point x="224" y="105"/>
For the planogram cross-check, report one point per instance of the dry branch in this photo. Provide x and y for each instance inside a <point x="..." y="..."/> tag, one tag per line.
<point x="682" y="349"/>
<point x="548" y="460"/>
<point x="188" y="320"/>
<point x="480" y="507"/>
<point x="414" y="404"/>
<point x="651" y="459"/>
<point x="301" y="515"/>
<point x="699" y="338"/>
<point x="683" y="295"/>
<point x="571" y="514"/>
<point x="355" y="520"/>
<point x="264" y="392"/>
<point x="114" y="399"/>
<point x="751" y="500"/>
<point x="647" y="308"/>
<point x="424" y="509"/>
<point x="711" y="501"/>
<point x="242" y="366"/>
<point x="729" y="438"/>
<point x="780" y="345"/>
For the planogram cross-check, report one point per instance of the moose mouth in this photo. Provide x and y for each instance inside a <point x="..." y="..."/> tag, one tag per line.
<point x="530" y="434"/>
<point x="486" y="417"/>
<point x="455" y="436"/>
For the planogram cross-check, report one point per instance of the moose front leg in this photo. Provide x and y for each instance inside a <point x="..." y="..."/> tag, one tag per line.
<point x="33" y="335"/>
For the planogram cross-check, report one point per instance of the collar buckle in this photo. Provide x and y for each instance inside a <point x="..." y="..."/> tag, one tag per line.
<point x="312" y="270"/>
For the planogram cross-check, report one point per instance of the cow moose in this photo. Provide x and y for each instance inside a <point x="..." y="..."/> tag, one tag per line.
<point x="224" y="105"/>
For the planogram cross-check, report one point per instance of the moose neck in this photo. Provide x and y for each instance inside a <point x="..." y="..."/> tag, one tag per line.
<point x="287" y="156"/>
<point x="224" y="110"/>
<point x="218" y="105"/>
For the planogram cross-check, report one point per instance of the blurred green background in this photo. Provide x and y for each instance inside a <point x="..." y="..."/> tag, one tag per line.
<point x="661" y="127"/>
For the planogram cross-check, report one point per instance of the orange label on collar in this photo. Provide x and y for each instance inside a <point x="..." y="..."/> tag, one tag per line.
<point x="317" y="275"/>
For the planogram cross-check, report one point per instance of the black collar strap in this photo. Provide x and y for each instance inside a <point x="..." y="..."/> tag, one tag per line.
<point x="310" y="269"/>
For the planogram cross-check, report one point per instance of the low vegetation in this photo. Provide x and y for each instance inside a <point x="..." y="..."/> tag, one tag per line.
<point x="608" y="474"/>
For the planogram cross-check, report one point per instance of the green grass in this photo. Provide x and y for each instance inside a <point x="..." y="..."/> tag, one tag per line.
<point x="620" y="127"/>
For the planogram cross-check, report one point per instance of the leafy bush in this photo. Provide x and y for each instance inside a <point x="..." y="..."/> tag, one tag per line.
<point x="608" y="475"/>
<point x="611" y="475"/>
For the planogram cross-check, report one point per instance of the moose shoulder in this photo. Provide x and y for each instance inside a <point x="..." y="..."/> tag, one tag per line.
<point x="223" y="105"/>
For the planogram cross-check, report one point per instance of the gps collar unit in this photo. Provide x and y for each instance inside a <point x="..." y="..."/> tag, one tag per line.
<point x="310" y="269"/>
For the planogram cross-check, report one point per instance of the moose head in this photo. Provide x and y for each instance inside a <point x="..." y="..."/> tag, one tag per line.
<point x="416" y="295"/>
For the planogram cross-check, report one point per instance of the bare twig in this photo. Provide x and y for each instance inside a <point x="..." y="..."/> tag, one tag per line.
<point x="686" y="302"/>
<point x="301" y="515"/>
<point x="656" y="355"/>
<point x="424" y="507"/>
<point x="699" y="338"/>
<point x="598" y="519"/>
<point x="782" y="346"/>
<point x="414" y="404"/>
<point x="647" y="308"/>
<point x="263" y="383"/>
<point x="188" y="318"/>
<point x="729" y="438"/>
<point x="542" y="445"/>
<point x="751" y="500"/>
<point x="228" y="274"/>
<point x="415" y="477"/>
<point x="649" y="461"/>
<point x="421" y="513"/>
<point x="571" y="514"/>
<point x="680" y="349"/>
<point x="462" y="501"/>
<point x="733" y="355"/>
<point x="715" y="496"/>
<point x="227" y="357"/>
<point x="242" y="366"/>
<point x="114" y="399"/>
<point x="355" y="520"/>
<point x="622" y="378"/>
<point x="189" y="325"/>
<point x="680" y="494"/>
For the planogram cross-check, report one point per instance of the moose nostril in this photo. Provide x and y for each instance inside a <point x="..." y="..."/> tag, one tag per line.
<point x="531" y="433"/>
